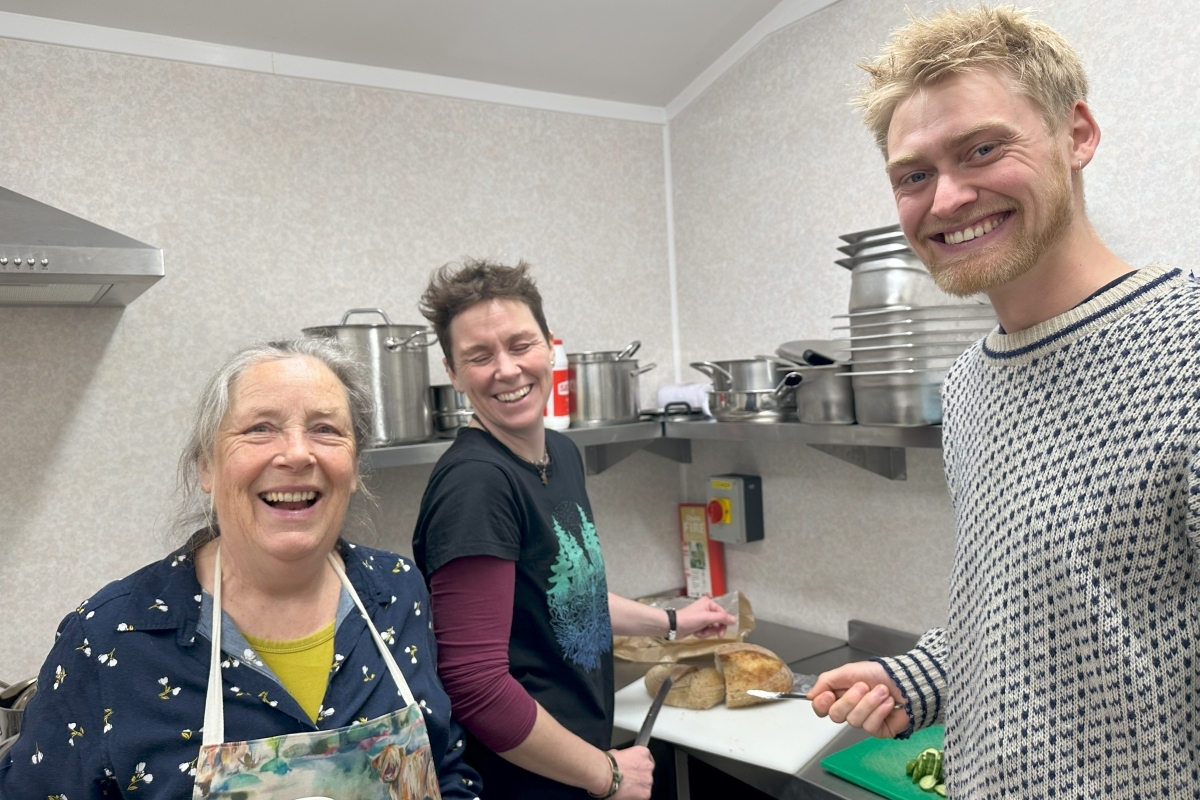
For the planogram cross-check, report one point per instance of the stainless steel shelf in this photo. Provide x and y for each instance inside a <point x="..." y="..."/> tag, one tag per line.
<point x="601" y="446"/>
<point x="405" y="455"/>
<point x="800" y="433"/>
<point x="875" y="448"/>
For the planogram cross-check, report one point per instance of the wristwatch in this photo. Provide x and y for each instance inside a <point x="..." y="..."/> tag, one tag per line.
<point x="616" y="778"/>
<point x="670" y="624"/>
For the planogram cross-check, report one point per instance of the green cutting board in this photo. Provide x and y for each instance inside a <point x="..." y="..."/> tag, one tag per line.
<point x="878" y="764"/>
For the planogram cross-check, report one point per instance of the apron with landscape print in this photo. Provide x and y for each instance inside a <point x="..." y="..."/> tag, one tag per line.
<point x="387" y="758"/>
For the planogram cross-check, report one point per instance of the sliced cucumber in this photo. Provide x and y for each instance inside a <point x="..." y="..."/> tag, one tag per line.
<point x="910" y="766"/>
<point x="940" y="789"/>
<point x="927" y="783"/>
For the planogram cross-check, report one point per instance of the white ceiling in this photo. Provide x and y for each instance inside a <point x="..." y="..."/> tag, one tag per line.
<point x="643" y="52"/>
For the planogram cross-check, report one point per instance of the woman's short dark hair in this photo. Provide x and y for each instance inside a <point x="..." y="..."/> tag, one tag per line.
<point x="456" y="287"/>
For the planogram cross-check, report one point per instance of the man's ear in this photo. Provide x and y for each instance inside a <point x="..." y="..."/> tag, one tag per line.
<point x="1084" y="133"/>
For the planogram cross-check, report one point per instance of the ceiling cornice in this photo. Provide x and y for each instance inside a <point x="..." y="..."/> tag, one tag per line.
<point x="148" y="45"/>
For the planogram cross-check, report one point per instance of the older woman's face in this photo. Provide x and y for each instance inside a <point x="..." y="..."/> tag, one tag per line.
<point x="284" y="464"/>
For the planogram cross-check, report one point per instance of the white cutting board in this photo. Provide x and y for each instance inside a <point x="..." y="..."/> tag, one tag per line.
<point x="782" y="735"/>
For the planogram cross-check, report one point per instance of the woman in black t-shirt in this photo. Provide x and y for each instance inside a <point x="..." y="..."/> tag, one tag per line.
<point x="506" y="540"/>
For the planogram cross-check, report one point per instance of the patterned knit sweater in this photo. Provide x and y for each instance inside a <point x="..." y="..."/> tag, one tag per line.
<point x="1069" y="666"/>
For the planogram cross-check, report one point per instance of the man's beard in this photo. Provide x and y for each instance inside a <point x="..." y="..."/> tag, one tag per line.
<point x="993" y="266"/>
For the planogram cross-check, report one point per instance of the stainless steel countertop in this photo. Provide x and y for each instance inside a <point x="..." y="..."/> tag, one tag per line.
<point x="806" y="653"/>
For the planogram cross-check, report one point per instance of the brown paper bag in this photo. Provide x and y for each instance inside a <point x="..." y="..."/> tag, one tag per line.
<point x="655" y="649"/>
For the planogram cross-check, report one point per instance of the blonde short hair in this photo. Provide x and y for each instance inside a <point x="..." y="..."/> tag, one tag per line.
<point x="926" y="51"/>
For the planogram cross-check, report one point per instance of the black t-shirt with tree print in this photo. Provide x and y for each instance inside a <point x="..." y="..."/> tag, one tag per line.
<point x="483" y="500"/>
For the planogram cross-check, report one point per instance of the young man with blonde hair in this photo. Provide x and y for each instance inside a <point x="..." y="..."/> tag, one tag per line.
<point x="1068" y="665"/>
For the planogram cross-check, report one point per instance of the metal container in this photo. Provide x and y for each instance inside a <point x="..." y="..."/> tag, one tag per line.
<point x="398" y="371"/>
<point x="770" y="405"/>
<point x="759" y="389"/>
<point x="905" y="397"/>
<point x="604" y="386"/>
<point x="758" y="374"/>
<point x="825" y="395"/>
<point x="894" y="281"/>
<point x="452" y="410"/>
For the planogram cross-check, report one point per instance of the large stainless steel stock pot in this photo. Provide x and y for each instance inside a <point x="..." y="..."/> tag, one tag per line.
<point x="398" y="367"/>
<point x="604" y="386"/>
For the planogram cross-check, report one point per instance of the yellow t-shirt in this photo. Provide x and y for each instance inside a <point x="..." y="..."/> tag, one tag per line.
<point x="301" y="664"/>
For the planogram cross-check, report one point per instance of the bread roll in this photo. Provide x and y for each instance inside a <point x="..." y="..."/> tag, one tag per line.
<point x="694" y="687"/>
<point x="748" y="666"/>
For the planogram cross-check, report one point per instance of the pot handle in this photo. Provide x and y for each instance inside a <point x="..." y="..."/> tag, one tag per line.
<point x="789" y="382"/>
<point x="633" y="347"/>
<point x="708" y="368"/>
<point x="428" y="338"/>
<point x="378" y="311"/>
<point x="640" y="370"/>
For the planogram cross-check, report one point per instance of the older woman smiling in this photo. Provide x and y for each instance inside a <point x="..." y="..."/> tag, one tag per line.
<point x="239" y="664"/>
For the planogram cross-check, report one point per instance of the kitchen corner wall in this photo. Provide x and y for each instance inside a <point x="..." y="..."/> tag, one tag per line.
<point x="771" y="164"/>
<point x="280" y="203"/>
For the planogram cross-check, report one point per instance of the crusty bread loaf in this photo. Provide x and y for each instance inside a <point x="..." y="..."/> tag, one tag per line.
<point x="693" y="687"/>
<point x="748" y="666"/>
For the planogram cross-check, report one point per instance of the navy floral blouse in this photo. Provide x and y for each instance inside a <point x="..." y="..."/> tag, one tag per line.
<point x="120" y="700"/>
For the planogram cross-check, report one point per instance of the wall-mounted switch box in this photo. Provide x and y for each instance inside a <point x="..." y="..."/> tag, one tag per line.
<point x="735" y="511"/>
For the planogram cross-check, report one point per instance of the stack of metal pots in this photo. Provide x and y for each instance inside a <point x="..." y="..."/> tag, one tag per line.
<point x="398" y="370"/>
<point x="902" y="332"/>
<point x="825" y="395"/>
<point x="452" y="410"/>
<point x="760" y="389"/>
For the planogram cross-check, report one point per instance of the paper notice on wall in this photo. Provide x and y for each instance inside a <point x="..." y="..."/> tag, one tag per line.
<point x="703" y="559"/>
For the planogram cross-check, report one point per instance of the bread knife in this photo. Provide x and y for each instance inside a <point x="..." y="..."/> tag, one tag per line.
<point x="643" y="735"/>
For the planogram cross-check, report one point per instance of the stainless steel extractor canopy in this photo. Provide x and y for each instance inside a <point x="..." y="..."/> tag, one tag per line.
<point x="51" y="258"/>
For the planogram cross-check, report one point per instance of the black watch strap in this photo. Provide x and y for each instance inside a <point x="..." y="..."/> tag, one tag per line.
<point x="670" y="624"/>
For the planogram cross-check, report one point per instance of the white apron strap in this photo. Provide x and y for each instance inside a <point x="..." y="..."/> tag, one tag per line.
<point x="214" y="710"/>
<point x="392" y="666"/>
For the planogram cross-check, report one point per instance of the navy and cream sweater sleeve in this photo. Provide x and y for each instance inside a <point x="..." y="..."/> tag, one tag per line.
<point x="120" y="701"/>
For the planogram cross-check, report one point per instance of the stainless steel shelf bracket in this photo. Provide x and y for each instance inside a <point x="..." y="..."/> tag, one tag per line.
<point x="886" y="461"/>
<point x="599" y="457"/>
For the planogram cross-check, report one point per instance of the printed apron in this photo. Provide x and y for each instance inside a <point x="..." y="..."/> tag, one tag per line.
<point x="387" y="758"/>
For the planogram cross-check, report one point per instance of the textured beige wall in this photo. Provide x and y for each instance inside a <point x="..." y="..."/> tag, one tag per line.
<point x="771" y="164"/>
<point x="280" y="203"/>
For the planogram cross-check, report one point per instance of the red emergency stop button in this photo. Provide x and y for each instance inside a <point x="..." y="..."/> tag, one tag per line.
<point x="719" y="511"/>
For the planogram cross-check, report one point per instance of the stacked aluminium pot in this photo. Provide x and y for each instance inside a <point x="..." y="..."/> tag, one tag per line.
<point x="760" y="389"/>
<point x="903" y="332"/>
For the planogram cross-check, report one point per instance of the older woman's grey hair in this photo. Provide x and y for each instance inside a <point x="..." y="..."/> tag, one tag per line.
<point x="194" y="510"/>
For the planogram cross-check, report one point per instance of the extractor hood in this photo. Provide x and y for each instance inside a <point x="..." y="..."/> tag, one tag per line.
<point x="51" y="258"/>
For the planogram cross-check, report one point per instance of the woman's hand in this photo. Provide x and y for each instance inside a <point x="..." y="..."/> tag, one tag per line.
<point x="863" y="695"/>
<point x="637" y="773"/>
<point x="703" y="618"/>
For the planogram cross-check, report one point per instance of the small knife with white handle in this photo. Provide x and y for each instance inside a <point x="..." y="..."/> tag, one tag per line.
<point x="787" y="696"/>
